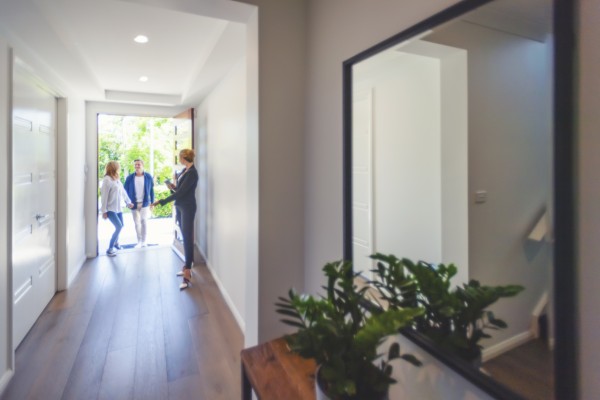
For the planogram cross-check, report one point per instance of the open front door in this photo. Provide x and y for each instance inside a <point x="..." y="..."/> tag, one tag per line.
<point x="184" y="139"/>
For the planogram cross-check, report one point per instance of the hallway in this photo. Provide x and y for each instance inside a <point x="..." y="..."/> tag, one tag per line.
<point x="124" y="331"/>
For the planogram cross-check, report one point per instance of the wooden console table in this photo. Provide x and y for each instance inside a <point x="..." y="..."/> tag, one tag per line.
<point x="275" y="373"/>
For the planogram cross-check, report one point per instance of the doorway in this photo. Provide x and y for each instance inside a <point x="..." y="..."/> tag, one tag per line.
<point x="127" y="138"/>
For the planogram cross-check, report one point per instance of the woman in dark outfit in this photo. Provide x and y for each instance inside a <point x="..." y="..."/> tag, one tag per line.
<point x="184" y="194"/>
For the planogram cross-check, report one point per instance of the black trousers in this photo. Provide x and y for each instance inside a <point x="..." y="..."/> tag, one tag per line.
<point x="185" y="218"/>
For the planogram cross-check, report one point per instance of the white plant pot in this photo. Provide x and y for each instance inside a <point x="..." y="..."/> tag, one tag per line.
<point x="319" y="393"/>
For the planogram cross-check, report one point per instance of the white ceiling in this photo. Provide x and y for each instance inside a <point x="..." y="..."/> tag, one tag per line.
<point x="529" y="18"/>
<point x="88" y="47"/>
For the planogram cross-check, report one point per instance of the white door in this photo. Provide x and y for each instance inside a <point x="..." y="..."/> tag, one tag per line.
<point x="34" y="205"/>
<point x="362" y="182"/>
<point x="184" y="139"/>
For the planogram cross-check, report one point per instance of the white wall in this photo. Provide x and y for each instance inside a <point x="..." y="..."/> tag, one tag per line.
<point x="281" y="84"/>
<point x="253" y="189"/>
<point x="455" y="176"/>
<point x="76" y="177"/>
<point x="337" y="30"/>
<point x="222" y="120"/>
<point x="6" y="353"/>
<point x="509" y="157"/>
<point x="588" y="194"/>
<point x="71" y="189"/>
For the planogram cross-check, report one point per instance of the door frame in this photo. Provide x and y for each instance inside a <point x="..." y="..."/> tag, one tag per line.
<point x="91" y="130"/>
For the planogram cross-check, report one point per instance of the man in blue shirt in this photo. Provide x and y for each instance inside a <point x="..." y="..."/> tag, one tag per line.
<point x="140" y="189"/>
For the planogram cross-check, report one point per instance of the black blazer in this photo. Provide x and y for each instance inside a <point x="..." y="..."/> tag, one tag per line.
<point x="185" y="192"/>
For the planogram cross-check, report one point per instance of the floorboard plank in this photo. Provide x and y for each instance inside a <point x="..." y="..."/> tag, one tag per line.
<point x="181" y="359"/>
<point x="52" y="382"/>
<point x="217" y="372"/>
<point x="188" y="387"/>
<point x="150" y="381"/>
<point x="125" y="330"/>
<point x="86" y="374"/>
<point x="118" y="374"/>
<point x="527" y="369"/>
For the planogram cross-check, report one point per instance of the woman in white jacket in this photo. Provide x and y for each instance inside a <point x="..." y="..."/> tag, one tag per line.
<point x="113" y="196"/>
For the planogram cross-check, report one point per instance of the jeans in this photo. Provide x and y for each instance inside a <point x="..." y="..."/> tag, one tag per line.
<point x="185" y="217"/>
<point x="117" y="221"/>
<point x="140" y="217"/>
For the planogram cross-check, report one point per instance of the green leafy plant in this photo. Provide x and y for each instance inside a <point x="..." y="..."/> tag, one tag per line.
<point x="342" y="333"/>
<point x="162" y="211"/>
<point x="455" y="318"/>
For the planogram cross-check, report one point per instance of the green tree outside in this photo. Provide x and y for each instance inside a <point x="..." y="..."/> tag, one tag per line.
<point x="127" y="138"/>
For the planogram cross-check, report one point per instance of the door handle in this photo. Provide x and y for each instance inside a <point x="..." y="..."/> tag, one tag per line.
<point x="41" y="218"/>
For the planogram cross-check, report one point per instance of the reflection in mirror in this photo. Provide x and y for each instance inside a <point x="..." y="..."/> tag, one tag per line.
<point x="452" y="163"/>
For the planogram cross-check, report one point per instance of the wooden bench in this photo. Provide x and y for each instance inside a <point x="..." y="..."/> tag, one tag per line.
<point x="275" y="373"/>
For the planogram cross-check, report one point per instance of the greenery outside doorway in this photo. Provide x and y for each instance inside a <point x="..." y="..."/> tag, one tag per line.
<point x="125" y="139"/>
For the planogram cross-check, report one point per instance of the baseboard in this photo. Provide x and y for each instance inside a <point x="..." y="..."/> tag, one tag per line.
<point x="178" y="253"/>
<point x="506" y="345"/>
<point x="224" y="293"/>
<point x="230" y="304"/>
<point x="5" y="379"/>
<point x="73" y="274"/>
<point x="200" y="251"/>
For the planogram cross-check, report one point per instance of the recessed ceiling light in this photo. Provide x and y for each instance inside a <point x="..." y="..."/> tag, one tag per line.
<point x="141" y="39"/>
<point x="143" y="79"/>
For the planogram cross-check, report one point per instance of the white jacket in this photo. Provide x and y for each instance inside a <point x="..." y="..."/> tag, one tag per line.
<point x="113" y="195"/>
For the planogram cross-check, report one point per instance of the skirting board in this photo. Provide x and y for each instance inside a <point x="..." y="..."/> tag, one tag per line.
<point x="178" y="253"/>
<point x="232" y="308"/>
<point x="228" y="300"/>
<point x="506" y="345"/>
<point x="6" y="377"/>
<point x="73" y="274"/>
<point x="230" y="304"/>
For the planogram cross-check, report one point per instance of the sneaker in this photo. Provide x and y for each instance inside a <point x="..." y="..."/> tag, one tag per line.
<point x="144" y="244"/>
<point x="111" y="252"/>
<point x="138" y="245"/>
<point x="118" y="246"/>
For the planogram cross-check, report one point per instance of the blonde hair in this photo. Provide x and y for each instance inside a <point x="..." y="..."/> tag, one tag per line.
<point x="188" y="155"/>
<point x="112" y="169"/>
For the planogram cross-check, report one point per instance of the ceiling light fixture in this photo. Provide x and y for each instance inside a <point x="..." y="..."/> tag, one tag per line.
<point x="143" y="79"/>
<point x="141" y="39"/>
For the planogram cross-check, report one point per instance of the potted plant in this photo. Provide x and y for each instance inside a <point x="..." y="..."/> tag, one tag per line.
<point x="454" y="318"/>
<point x="342" y="333"/>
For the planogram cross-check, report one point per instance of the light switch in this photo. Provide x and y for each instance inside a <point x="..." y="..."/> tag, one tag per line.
<point x="481" y="196"/>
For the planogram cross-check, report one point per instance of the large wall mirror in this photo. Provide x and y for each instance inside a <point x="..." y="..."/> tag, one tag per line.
<point x="450" y="142"/>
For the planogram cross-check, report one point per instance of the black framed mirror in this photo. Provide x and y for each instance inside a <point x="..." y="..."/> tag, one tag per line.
<point x="458" y="148"/>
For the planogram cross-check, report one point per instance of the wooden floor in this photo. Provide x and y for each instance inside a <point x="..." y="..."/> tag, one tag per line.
<point x="125" y="331"/>
<point x="527" y="369"/>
